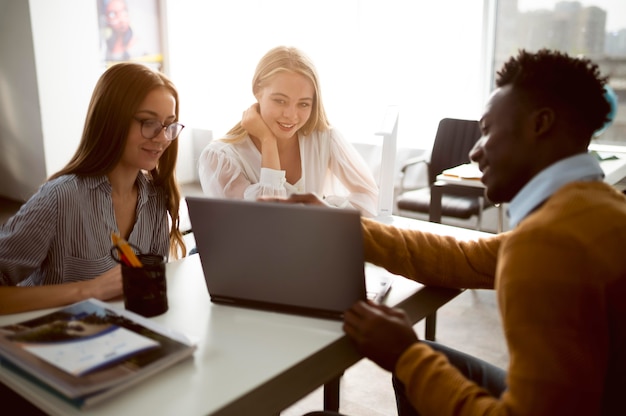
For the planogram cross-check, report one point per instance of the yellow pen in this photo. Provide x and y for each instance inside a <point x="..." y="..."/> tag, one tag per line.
<point x="125" y="250"/>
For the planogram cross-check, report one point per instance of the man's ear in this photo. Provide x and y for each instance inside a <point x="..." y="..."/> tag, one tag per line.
<point x="544" y="119"/>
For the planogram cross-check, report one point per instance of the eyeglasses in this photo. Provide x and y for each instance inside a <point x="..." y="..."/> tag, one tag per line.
<point x="150" y="128"/>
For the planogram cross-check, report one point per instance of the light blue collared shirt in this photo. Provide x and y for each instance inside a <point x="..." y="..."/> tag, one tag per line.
<point x="582" y="167"/>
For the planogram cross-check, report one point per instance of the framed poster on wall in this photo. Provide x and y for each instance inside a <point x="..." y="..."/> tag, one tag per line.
<point x="130" y="30"/>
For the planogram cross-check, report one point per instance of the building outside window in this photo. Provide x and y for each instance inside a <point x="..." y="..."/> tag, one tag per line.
<point x="594" y="28"/>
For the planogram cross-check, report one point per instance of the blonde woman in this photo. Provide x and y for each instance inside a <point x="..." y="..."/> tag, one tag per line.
<point x="285" y="145"/>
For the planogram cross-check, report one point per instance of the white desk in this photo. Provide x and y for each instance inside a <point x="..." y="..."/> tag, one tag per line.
<point x="247" y="361"/>
<point x="458" y="186"/>
<point x="614" y="171"/>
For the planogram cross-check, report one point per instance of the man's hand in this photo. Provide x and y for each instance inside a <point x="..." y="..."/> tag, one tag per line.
<point x="306" y="199"/>
<point x="380" y="333"/>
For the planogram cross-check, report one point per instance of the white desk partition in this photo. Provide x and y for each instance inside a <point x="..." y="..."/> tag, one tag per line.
<point x="389" y="133"/>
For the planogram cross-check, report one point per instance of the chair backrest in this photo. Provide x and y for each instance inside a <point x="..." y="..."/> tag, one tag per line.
<point x="455" y="138"/>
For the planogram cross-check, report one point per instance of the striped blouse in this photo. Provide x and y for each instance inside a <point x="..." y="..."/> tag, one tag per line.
<point x="63" y="232"/>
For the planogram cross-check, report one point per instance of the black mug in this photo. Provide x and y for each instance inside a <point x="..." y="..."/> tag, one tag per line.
<point x="145" y="288"/>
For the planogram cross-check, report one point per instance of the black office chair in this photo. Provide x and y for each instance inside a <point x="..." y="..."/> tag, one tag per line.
<point x="453" y="142"/>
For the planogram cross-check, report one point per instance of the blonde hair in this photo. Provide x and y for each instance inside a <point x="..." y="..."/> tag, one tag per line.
<point x="283" y="59"/>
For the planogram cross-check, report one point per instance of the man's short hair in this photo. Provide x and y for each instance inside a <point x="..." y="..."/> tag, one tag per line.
<point x="573" y="87"/>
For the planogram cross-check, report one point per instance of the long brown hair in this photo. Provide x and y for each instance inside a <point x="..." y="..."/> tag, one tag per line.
<point x="115" y="99"/>
<point x="287" y="59"/>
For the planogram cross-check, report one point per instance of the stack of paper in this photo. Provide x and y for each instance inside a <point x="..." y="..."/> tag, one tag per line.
<point x="465" y="171"/>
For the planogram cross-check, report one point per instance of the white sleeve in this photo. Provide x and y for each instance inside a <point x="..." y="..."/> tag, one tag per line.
<point x="271" y="184"/>
<point x="353" y="173"/>
<point x="224" y="175"/>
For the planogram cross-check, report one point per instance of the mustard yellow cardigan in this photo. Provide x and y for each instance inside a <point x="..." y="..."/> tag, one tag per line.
<point x="560" y="278"/>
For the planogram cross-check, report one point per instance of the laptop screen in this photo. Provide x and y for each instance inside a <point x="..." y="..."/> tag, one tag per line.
<point x="285" y="257"/>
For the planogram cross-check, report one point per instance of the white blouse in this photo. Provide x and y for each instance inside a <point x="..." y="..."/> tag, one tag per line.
<point x="331" y="168"/>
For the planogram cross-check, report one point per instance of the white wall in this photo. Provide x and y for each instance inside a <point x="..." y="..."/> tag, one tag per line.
<point x="22" y="163"/>
<point x="423" y="56"/>
<point x="426" y="58"/>
<point x="48" y="68"/>
<point x="67" y="66"/>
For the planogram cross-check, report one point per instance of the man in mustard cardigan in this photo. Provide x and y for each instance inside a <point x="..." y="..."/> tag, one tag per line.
<point x="560" y="273"/>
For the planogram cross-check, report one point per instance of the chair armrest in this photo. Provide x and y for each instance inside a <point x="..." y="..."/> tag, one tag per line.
<point x="406" y="168"/>
<point x="412" y="161"/>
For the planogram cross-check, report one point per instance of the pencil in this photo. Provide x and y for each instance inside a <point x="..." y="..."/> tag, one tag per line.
<point x="126" y="252"/>
<point x="115" y="240"/>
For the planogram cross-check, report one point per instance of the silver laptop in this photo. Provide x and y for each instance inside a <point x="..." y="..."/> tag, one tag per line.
<point x="290" y="258"/>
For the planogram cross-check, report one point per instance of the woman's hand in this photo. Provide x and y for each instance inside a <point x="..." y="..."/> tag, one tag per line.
<point x="263" y="137"/>
<point x="106" y="286"/>
<point x="252" y="122"/>
<point x="16" y="299"/>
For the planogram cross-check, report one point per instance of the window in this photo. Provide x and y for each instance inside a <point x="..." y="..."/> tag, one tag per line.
<point x="595" y="29"/>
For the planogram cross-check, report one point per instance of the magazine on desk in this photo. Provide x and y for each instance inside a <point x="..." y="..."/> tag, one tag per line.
<point x="90" y="351"/>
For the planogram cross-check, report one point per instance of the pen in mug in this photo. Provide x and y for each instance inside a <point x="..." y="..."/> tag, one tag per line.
<point x="127" y="255"/>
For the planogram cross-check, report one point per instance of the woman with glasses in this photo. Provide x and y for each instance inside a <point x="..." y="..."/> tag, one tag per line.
<point x="56" y="249"/>
<point x="285" y="145"/>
